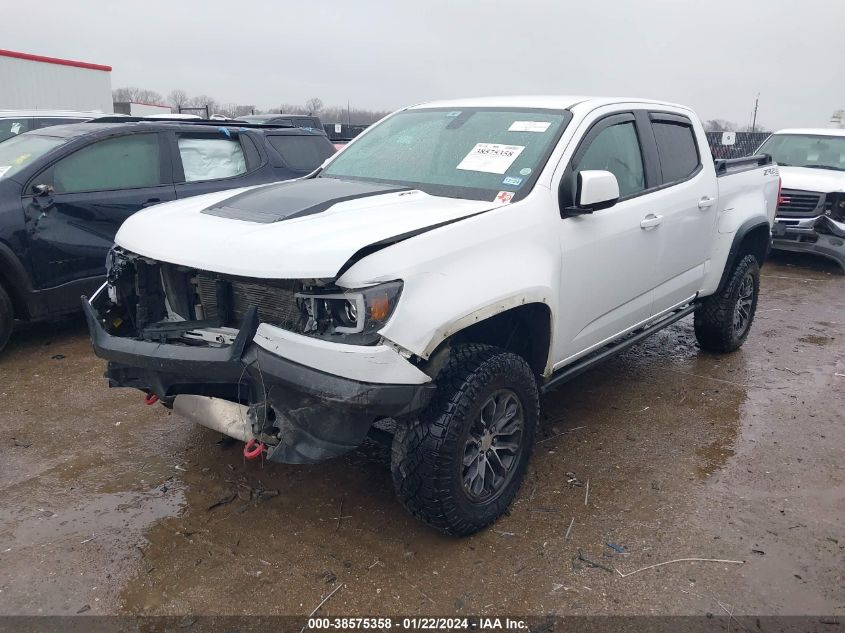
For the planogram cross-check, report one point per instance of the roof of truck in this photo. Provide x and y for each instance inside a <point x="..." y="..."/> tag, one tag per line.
<point x="549" y="102"/>
<point x="817" y="131"/>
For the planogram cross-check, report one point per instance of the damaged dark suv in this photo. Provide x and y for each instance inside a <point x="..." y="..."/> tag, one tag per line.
<point x="65" y="191"/>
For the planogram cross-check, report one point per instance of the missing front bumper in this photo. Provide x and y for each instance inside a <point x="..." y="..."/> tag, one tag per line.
<point x="308" y="414"/>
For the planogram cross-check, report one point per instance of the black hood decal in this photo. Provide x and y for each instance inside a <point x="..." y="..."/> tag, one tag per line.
<point x="294" y="199"/>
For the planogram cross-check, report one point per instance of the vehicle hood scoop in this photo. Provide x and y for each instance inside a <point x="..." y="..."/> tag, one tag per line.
<point x="304" y="229"/>
<point x="294" y="199"/>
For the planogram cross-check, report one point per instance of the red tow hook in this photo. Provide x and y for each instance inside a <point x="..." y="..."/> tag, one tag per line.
<point x="150" y="398"/>
<point x="253" y="449"/>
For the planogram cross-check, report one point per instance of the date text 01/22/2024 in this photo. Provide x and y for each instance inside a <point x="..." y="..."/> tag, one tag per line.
<point x="418" y="624"/>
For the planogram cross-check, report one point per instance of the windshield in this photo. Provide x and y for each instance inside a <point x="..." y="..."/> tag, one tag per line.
<point x="806" y="150"/>
<point x="17" y="152"/>
<point x="475" y="153"/>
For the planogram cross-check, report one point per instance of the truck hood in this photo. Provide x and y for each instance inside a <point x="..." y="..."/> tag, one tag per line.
<point x="808" y="179"/>
<point x="302" y="229"/>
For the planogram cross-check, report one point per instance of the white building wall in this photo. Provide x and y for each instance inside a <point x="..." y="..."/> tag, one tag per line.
<point x="26" y="84"/>
<point x="145" y="109"/>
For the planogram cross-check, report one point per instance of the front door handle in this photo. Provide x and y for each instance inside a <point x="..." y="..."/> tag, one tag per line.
<point x="151" y="202"/>
<point x="706" y="202"/>
<point x="650" y="221"/>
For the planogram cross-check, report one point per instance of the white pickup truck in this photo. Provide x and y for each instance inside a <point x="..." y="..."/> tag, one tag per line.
<point x="811" y="208"/>
<point x="453" y="263"/>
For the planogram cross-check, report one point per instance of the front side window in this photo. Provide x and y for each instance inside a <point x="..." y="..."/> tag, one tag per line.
<point x="125" y="162"/>
<point x="18" y="152"/>
<point x="677" y="150"/>
<point x="207" y="157"/>
<point x="471" y="153"/>
<point x="815" y="151"/>
<point x="616" y="149"/>
<point x="302" y="153"/>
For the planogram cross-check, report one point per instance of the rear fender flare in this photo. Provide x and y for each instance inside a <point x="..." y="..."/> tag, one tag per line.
<point x="745" y="229"/>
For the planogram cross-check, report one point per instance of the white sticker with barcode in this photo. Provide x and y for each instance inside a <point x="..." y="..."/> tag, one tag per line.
<point x="492" y="158"/>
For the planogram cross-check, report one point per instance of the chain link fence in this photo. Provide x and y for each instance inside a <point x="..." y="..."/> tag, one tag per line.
<point x="735" y="144"/>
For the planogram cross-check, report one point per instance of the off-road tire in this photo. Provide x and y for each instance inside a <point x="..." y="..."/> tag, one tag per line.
<point x="714" y="319"/>
<point x="7" y="318"/>
<point x="428" y="453"/>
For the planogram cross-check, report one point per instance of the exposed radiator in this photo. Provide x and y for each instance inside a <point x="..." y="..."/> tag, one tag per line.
<point x="275" y="300"/>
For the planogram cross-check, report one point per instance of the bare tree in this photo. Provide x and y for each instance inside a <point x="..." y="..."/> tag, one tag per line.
<point x="719" y="125"/>
<point x="288" y="108"/>
<point x="136" y="95"/>
<point x="759" y="128"/>
<point x="203" y="101"/>
<point x="354" y="116"/>
<point x="314" y="105"/>
<point x="234" y="110"/>
<point x="176" y="99"/>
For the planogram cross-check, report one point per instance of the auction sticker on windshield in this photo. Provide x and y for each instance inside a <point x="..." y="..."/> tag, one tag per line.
<point x="529" y="126"/>
<point x="492" y="158"/>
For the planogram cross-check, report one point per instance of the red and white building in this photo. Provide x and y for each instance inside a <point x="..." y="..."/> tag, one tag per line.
<point x="35" y="82"/>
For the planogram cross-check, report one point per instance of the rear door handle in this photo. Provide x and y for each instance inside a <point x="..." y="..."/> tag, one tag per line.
<point x="650" y="221"/>
<point x="706" y="202"/>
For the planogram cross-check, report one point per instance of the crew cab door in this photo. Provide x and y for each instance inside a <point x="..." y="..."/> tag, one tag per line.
<point x="687" y="200"/>
<point x="207" y="161"/>
<point x="76" y="205"/>
<point x="609" y="256"/>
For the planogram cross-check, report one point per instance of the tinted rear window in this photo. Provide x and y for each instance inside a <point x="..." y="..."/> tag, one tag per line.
<point x="302" y="153"/>
<point x="677" y="148"/>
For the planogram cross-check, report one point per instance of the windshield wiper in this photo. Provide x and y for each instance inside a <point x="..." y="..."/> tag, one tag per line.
<point x="824" y="167"/>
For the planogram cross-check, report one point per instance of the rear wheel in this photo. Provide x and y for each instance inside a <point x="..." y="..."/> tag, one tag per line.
<point x="459" y="466"/>
<point x="723" y="321"/>
<point x="7" y="318"/>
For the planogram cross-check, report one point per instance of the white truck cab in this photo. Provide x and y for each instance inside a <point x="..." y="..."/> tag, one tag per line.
<point x="811" y="208"/>
<point x="453" y="262"/>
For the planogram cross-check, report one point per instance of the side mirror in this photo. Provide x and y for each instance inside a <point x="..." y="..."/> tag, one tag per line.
<point x="41" y="191"/>
<point x="595" y="190"/>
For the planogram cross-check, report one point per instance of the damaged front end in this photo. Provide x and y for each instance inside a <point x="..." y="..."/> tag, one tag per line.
<point x="811" y="223"/>
<point x="295" y="365"/>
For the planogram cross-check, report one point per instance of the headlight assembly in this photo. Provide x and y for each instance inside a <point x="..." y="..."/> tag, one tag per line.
<point x="349" y="316"/>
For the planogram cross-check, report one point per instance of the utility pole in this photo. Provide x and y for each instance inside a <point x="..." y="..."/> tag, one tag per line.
<point x="348" y="114"/>
<point x="754" y="117"/>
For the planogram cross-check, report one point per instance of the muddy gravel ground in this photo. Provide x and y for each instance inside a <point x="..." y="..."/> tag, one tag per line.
<point x="109" y="506"/>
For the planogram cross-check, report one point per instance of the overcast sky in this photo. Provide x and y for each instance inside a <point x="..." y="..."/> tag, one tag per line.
<point x="713" y="55"/>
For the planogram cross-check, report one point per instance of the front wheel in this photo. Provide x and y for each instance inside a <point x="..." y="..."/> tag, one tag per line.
<point x="459" y="467"/>
<point x="723" y="321"/>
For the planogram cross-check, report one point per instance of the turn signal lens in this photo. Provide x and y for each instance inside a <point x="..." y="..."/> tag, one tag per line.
<point x="379" y="308"/>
